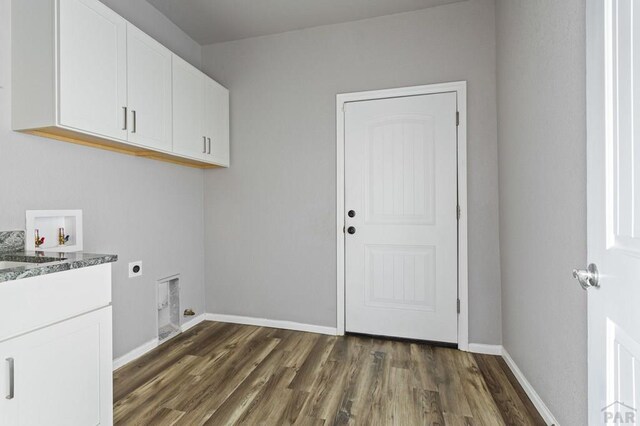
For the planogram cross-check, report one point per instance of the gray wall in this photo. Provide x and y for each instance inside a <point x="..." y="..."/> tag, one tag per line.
<point x="270" y="218"/>
<point x="146" y="17"/>
<point x="139" y="209"/>
<point x="542" y="152"/>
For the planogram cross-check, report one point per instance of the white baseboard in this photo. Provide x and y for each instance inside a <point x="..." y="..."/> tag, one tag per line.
<point x="533" y="395"/>
<point x="193" y="322"/>
<point x="235" y="319"/>
<point x="152" y="344"/>
<point x="262" y="322"/>
<point x="481" y="348"/>
<point x="134" y="354"/>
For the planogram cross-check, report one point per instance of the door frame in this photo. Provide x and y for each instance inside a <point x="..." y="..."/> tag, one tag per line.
<point x="596" y="64"/>
<point x="460" y="88"/>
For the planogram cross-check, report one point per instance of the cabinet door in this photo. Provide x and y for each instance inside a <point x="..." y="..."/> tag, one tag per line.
<point x="217" y="122"/>
<point x="188" y="110"/>
<point x="62" y="374"/>
<point x="92" y="68"/>
<point x="149" y="91"/>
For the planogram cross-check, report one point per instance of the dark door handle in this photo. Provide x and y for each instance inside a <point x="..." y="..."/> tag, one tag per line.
<point x="352" y="213"/>
<point x="351" y="230"/>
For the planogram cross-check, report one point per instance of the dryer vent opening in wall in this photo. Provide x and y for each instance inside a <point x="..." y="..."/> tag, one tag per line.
<point x="168" y="305"/>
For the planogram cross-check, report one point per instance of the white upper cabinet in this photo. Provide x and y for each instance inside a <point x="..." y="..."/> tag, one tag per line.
<point x="149" y="91"/>
<point x="81" y="73"/>
<point x="93" y="68"/>
<point x="188" y="112"/>
<point x="216" y="114"/>
<point x="200" y="115"/>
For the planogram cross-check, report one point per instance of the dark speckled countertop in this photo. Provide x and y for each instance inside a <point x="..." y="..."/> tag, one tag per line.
<point x="41" y="263"/>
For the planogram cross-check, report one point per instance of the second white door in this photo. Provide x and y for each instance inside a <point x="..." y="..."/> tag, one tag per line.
<point x="401" y="217"/>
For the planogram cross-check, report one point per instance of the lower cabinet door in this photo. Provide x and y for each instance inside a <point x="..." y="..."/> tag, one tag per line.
<point x="59" y="375"/>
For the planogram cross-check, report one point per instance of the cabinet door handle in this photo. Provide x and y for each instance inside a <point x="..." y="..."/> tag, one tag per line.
<point x="209" y="139"/>
<point x="204" y="144"/>
<point x="124" y="127"/>
<point x="133" y="112"/>
<point x="11" y="365"/>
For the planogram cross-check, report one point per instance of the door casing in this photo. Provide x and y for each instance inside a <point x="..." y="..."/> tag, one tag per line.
<point x="460" y="88"/>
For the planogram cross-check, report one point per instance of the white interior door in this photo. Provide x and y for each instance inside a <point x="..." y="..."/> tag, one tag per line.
<point x="613" y="183"/>
<point x="401" y="243"/>
<point x="149" y="91"/>
<point x="92" y="68"/>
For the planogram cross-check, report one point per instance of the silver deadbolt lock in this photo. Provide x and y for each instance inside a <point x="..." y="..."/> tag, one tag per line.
<point x="587" y="277"/>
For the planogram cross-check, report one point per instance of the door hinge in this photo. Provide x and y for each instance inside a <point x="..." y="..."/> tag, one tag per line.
<point x="458" y="211"/>
<point x="457" y="118"/>
<point x="343" y="229"/>
<point x="458" y="305"/>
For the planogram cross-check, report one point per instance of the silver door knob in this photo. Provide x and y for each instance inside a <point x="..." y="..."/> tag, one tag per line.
<point x="587" y="277"/>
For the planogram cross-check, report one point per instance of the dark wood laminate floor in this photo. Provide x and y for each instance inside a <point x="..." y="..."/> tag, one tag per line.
<point x="219" y="374"/>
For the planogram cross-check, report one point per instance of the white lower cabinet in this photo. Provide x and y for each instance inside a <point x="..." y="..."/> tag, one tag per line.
<point x="59" y="375"/>
<point x="55" y="349"/>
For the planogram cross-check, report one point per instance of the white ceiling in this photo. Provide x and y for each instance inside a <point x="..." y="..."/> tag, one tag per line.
<point x="213" y="21"/>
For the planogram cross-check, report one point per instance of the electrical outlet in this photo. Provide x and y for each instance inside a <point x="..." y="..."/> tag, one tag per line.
<point x="135" y="269"/>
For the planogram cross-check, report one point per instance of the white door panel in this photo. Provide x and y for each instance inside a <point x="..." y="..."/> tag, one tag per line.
<point x="400" y="179"/>
<point x="188" y="110"/>
<point x="149" y="91"/>
<point x="217" y="122"/>
<point x="92" y="68"/>
<point x="613" y="206"/>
